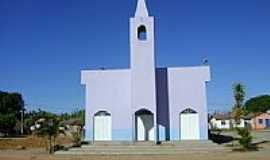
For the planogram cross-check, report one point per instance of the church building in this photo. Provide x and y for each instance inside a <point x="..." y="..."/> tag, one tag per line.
<point x="145" y="102"/>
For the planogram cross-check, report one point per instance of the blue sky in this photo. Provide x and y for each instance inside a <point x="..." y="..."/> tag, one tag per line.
<point x="45" y="43"/>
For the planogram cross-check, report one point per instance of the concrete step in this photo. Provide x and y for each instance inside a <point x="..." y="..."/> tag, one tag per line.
<point x="147" y="143"/>
<point x="121" y="143"/>
<point x="131" y="153"/>
<point x="145" y="148"/>
<point x="135" y="151"/>
<point x="163" y="144"/>
<point x="148" y="147"/>
<point x="139" y="152"/>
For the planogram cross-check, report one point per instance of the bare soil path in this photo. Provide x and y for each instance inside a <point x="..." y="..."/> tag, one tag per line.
<point x="40" y="154"/>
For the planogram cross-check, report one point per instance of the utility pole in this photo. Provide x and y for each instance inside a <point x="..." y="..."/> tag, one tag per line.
<point x="22" y="120"/>
<point x="50" y="129"/>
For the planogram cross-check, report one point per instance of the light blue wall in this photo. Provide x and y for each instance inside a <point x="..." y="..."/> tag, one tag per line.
<point x="187" y="89"/>
<point x="174" y="134"/>
<point x="117" y="134"/>
<point x="122" y="134"/>
<point x="108" y="90"/>
<point x="88" y="135"/>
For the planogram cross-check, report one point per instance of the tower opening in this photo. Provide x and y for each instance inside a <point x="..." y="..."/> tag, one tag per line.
<point x="142" y="35"/>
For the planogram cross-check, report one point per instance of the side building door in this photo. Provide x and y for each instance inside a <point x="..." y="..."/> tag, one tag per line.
<point x="267" y="123"/>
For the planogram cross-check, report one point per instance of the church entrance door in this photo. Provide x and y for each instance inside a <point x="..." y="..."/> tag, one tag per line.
<point x="144" y="122"/>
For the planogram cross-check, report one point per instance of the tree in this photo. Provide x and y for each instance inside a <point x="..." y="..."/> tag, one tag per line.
<point x="239" y="96"/>
<point x="11" y="104"/>
<point x="31" y="117"/>
<point x="78" y="114"/>
<point x="48" y="126"/>
<point x="258" y="104"/>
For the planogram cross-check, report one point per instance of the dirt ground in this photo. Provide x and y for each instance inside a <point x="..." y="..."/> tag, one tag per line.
<point x="30" y="142"/>
<point x="39" y="155"/>
<point x="35" y="151"/>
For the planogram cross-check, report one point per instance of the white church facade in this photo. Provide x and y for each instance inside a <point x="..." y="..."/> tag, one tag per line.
<point x="144" y="102"/>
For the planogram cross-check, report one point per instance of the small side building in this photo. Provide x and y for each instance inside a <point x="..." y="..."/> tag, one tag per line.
<point x="221" y="121"/>
<point x="261" y="121"/>
<point x="226" y="121"/>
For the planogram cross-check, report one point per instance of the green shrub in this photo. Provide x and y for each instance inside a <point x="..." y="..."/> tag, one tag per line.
<point x="245" y="138"/>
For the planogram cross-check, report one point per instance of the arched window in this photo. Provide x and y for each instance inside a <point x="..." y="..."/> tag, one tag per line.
<point x="142" y="34"/>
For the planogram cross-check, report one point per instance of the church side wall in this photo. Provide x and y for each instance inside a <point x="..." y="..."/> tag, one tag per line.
<point x="187" y="89"/>
<point x="109" y="90"/>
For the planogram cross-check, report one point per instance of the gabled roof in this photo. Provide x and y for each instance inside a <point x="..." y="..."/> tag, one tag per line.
<point x="228" y="116"/>
<point x="222" y="116"/>
<point x="248" y="116"/>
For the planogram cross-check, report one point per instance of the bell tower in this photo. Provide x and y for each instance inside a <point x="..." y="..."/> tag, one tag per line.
<point x="142" y="61"/>
<point x="142" y="38"/>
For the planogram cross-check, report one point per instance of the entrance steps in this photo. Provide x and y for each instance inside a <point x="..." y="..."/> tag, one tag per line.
<point x="144" y="148"/>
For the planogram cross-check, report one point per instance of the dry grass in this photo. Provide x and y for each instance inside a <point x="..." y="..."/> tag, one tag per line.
<point x="30" y="142"/>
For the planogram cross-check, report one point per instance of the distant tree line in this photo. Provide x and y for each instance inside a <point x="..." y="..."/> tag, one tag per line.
<point x="258" y="104"/>
<point x="47" y="124"/>
<point x="77" y="114"/>
<point x="11" y="107"/>
<point x="32" y="117"/>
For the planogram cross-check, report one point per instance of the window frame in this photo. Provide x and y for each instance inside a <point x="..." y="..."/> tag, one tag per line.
<point x="223" y="122"/>
<point x="260" y="121"/>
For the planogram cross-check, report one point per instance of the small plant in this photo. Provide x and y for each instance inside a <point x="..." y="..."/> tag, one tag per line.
<point x="245" y="138"/>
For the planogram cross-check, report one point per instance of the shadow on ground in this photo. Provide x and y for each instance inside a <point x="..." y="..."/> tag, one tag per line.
<point x="223" y="139"/>
<point x="220" y="139"/>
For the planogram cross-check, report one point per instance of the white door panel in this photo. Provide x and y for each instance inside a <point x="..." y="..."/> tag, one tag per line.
<point x="189" y="126"/>
<point x="103" y="128"/>
<point x="152" y="134"/>
<point x="140" y="129"/>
